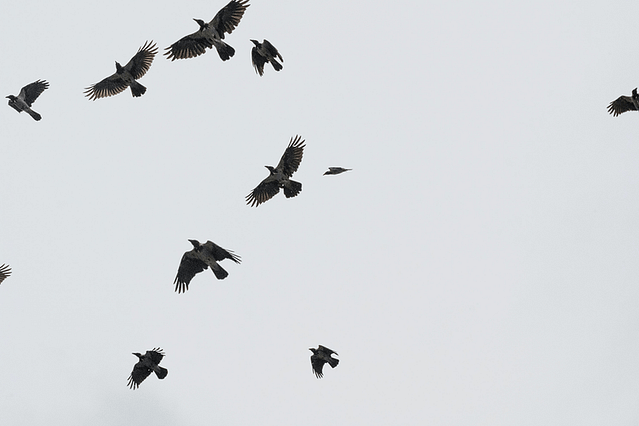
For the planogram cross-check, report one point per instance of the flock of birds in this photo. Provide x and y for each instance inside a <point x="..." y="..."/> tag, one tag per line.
<point x="203" y="256"/>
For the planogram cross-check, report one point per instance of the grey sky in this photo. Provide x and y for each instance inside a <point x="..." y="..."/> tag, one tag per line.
<point x="477" y="267"/>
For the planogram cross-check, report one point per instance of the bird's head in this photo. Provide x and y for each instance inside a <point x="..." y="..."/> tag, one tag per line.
<point x="256" y="43"/>
<point x="201" y="23"/>
<point x="634" y="92"/>
<point x="312" y="350"/>
<point x="13" y="98"/>
<point x="196" y="243"/>
<point x="118" y="67"/>
<point x="139" y="355"/>
<point x="270" y="169"/>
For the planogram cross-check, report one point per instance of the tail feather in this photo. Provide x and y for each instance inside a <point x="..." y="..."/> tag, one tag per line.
<point x="34" y="114"/>
<point x="137" y="89"/>
<point x="161" y="372"/>
<point x="292" y="188"/>
<point x="333" y="362"/>
<point x="220" y="273"/>
<point x="276" y="65"/>
<point x="225" y="51"/>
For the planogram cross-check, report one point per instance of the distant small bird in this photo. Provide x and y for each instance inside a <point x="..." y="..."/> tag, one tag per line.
<point x="321" y="356"/>
<point x="210" y="34"/>
<point x="147" y="364"/>
<point x="279" y="176"/>
<point x="125" y="76"/>
<point x="5" y="271"/>
<point x="265" y="52"/>
<point x="336" y="170"/>
<point x="624" y="103"/>
<point x="200" y="258"/>
<point x="27" y="97"/>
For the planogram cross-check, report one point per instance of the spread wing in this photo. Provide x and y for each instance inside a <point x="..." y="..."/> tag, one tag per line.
<point x="326" y="351"/>
<point x="141" y="61"/>
<point x="317" y="364"/>
<point x="30" y="92"/>
<point x="110" y="86"/>
<point x="189" y="266"/>
<point x="229" y="17"/>
<point x="292" y="157"/>
<point x="266" y="190"/>
<point x="621" y="105"/>
<point x="139" y="373"/>
<point x="188" y="46"/>
<point x="155" y="355"/>
<point x="272" y="50"/>
<point x="258" y="61"/>
<point x="5" y="271"/>
<point x="220" y="254"/>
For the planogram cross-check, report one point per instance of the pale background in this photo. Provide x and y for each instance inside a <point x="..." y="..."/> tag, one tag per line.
<point x="477" y="267"/>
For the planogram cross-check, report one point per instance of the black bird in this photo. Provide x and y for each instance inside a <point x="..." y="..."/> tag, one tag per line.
<point x="5" y="271"/>
<point x="336" y="170"/>
<point x="624" y="103"/>
<point x="279" y="176"/>
<point x="27" y="97"/>
<point x="265" y="52"/>
<point x="321" y="356"/>
<point x="210" y="34"/>
<point x="147" y="364"/>
<point x="200" y="258"/>
<point x="125" y="76"/>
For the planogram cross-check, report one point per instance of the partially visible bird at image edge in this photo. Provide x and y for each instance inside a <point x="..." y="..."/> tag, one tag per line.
<point x="624" y="103"/>
<point x="5" y="271"/>
<point x="336" y="170"/>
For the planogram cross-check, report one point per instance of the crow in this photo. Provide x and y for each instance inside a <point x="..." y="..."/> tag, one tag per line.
<point x="125" y="76"/>
<point x="265" y="52"/>
<point x="321" y="356"/>
<point x="200" y="258"/>
<point x="5" y="271"/>
<point x="279" y="176"/>
<point x="27" y="97"/>
<point x="147" y="363"/>
<point x="624" y="103"/>
<point x="210" y="34"/>
<point x="336" y="170"/>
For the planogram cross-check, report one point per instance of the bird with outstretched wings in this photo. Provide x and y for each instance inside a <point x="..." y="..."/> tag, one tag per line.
<point x="200" y="258"/>
<point x="147" y="364"/>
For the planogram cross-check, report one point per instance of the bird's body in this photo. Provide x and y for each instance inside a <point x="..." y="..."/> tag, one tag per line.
<point x="279" y="177"/>
<point x="624" y="103"/>
<point x="336" y="170"/>
<point x="210" y="34"/>
<point x="265" y="52"/>
<point x="147" y="364"/>
<point x="125" y="76"/>
<point x="321" y="356"/>
<point x="199" y="259"/>
<point x="27" y="96"/>
<point x="5" y="271"/>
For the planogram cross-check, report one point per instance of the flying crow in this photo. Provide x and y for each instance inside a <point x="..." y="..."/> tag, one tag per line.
<point x="624" y="103"/>
<point x="125" y="76"/>
<point x="5" y="271"/>
<point x="146" y="365"/>
<point x="336" y="170"/>
<point x="265" y="52"/>
<point x="27" y="97"/>
<point x="210" y="34"/>
<point x="279" y="176"/>
<point x="200" y="258"/>
<point x="321" y="356"/>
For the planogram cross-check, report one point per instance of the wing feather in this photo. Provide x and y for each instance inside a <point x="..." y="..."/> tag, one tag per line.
<point x="228" y="18"/>
<point x="292" y="157"/>
<point x="142" y="60"/>
<point x="266" y="190"/>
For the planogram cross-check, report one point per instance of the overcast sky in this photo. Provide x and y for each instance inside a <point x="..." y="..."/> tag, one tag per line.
<point x="477" y="267"/>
